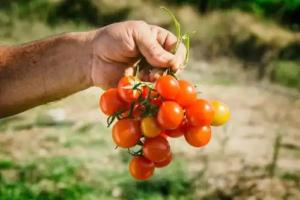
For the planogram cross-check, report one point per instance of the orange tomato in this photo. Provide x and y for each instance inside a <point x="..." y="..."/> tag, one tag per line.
<point x="110" y="102"/>
<point x="125" y="89"/>
<point x="187" y="93"/>
<point x="170" y="115"/>
<point x="200" y="113"/>
<point x="167" y="86"/>
<point x="126" y="133"/>
<point x="141" y="168"/>
<point x="198" y="136"/>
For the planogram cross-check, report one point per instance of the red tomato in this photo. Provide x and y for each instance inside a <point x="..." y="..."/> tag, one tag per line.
<point x="110" y="102"/>
<point x="156" y="101"/>
<point x="136" y="113"/>
<point x="125" y="90"/>
<point x="200" y="113"/>
<point x="179" y="131"/>
<point x="126" y="133"/>
<point x="174" y="133"/>
<point x="141" y="168"/>
<point x="155" y="98"/>
<point x="170" y="115"/>
<point x="187" y="93"/>
<point x="165" y="162"/>
<point x="156" y="149"/>
<point x="167" y="86"/>
<point x="198" y="136"/>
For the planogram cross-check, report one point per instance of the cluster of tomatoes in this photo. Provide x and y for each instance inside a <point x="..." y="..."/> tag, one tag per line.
<point x="148" y="114"/>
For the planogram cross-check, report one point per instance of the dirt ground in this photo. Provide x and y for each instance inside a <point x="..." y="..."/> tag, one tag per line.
<point x="256" y="156"/>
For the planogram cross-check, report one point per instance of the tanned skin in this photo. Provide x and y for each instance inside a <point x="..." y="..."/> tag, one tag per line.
<point x="50" y="69"/>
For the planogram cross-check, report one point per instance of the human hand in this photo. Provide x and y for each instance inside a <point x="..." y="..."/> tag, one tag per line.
<point x="117" y="47"/>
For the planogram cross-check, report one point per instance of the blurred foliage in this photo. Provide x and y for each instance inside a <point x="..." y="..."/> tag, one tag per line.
<point x="61" y="178"/>
<point x="76" y="11"/>
<point x="285" y="11"/>
<point x="287" y="73"/>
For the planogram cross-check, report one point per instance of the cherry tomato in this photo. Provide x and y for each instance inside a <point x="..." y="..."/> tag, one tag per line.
<point x="165" y="162"/>
<point x="170" y="115"/>
<point x="221" y="113"/>
<point x="156" y="149"/>
<point x="110" y="102"/>
<point x="167" y="86"/>
<point x="141" y="168"/>
<point x="125" y="90"/>
<point x="174" y="133"/>
<point x="163" y="134"/>
<point x="136" y="113"/>
<point x="150" y="127"/>
<point x="179" y="131"/>
<point x="187" y="93"/>
<point x="155" y="98"/>
<point x="198" y="136"/>
<point x="200" y="113"/>
<point x="126" y="133"/>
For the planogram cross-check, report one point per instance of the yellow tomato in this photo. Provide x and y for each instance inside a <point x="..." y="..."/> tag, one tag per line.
<point x="221" y="113"/>
<point x="150" y="127"/>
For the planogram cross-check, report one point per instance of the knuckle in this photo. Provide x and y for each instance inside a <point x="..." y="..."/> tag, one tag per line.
<point x="137" y="24"/>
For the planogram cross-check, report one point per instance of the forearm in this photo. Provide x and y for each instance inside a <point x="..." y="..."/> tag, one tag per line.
<point x="43" y="71"/>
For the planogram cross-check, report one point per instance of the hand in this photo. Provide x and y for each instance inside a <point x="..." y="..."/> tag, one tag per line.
<point x="118" y="47"/>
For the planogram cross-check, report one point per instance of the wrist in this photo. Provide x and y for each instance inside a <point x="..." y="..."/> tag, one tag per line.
<point x="84" y="44"/>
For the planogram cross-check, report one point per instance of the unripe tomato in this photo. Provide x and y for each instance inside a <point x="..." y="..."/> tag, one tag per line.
<point x="221" y="113"/>
<point x="165" y="162"/>
<point x="198" y="136"/>
<point x="150" y="127"/>
<point x="167" y="86"/>
<point x="156" y="149"/>
<point x="110" y="102"/>
<point x="125" y="90"/>
<point x="170" y="115"/>
<point x="141" y="168"/>
<point x="187" y="93"/>
<point x="200" y="113"/>
<point x="126" y="133"/>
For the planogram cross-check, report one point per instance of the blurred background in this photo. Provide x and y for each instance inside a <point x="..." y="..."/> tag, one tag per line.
<point x="245" y="53"/>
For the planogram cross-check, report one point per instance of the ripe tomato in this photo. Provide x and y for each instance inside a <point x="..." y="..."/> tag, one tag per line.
<point x="165" y="162"/>
<point x="187" y="93"/>
<point x="126" y="133"/>
<point x="221" y="113"/>
<point x="125" y="90"/>
<point x="198" y="136"/>
<point x="155" y="98"/>
<point x="167" y="86"/>
<point x="179" y="131"/>
<point x="170" y="115"/>
<point x="156" y="149"/>
<point x="200" y="113"/>
<point x="141" y="168"/>
<point x="174" y="133"/>
<point x="136" y="113"/>
<point x="110" y="102"/>
<point x="150" y="127"/>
